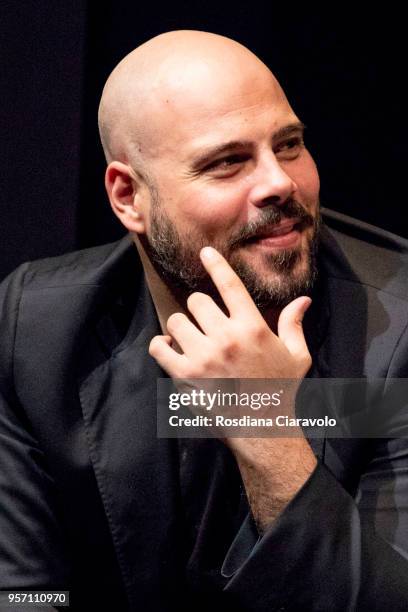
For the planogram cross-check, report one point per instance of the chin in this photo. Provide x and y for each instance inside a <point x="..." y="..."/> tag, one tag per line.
<point x="272" y="287"/>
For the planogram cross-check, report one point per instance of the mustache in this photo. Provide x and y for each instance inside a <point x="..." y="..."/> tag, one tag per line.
<point x="269" y="216"/>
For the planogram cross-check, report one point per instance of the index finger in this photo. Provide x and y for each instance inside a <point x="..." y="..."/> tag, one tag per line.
<point x="230" y="286"/>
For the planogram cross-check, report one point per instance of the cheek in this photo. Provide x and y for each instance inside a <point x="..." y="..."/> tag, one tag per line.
<point x="214" y="209"/>
<point x="308" y="183"/>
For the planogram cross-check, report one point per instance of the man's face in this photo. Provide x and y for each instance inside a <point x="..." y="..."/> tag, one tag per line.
<point x="232" y="172"/>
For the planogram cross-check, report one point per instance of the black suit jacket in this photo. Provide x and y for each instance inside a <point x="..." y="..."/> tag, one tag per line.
<point x="92" y="501"/>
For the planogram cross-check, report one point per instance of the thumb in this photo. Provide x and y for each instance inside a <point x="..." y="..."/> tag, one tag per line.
<point x="290" y="329"/>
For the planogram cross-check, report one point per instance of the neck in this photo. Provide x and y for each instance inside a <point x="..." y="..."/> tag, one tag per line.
<point x="163" y="299"/>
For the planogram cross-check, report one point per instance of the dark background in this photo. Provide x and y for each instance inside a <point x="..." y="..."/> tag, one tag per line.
<point x="344" y="75"/>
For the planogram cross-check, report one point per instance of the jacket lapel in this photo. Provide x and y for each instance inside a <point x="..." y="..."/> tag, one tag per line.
<point x="136" y="472"/>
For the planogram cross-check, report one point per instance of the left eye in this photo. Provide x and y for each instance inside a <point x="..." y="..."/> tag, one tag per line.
<point x="289" y="145"/>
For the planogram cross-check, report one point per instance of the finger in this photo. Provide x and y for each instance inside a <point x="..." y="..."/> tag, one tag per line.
<point x="290" y="329"/>
<point x="171" y="361"/>
<point x="185" y="333"/>
<point x="208" y="315"/>
<point x="231" y="288"/>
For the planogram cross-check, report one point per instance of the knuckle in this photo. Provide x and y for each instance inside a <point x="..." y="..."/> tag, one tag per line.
<point x="196" y="371"/>
<point x="206" y="363"/>
<point x="175" y="320"/>
<point x="194" y="299"/>
<point x="229" y="347"/>
<point x="154" y="345"/>
<point x="306" y="361"/>
<point x="257" y="332"/>
<point x="261" y="333"/>
<point x="230" y="284"/>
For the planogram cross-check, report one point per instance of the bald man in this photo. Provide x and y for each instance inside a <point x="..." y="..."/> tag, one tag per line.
<point x="227" y="272"/>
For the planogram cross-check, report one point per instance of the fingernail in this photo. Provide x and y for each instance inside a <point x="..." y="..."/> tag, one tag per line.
<point x="208" y="252"/>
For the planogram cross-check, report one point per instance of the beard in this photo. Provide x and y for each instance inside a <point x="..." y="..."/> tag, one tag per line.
<point x="292" y="272"/>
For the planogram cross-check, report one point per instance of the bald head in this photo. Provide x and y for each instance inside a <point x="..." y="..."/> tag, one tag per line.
<point x="158" y="82"/>
<point x="204" y="149"/>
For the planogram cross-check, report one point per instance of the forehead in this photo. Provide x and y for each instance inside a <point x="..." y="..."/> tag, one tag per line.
<point x="206" y="106"/>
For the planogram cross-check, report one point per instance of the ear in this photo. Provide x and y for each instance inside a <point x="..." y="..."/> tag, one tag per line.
<point x="126" y="191"/>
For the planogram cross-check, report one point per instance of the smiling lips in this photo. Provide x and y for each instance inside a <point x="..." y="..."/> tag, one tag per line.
<point x="286" y="234"/>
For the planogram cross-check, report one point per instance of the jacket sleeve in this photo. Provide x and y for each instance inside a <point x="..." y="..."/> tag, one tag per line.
<point x="32" y="553"/>
<point x="330" y="550"/>
<point x="323" y="553"/>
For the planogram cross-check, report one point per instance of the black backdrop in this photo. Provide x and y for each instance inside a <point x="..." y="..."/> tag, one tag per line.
<point x="344" y="75"/>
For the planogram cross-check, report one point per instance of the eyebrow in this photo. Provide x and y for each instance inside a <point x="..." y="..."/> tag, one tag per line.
<point x="299" y="126"/>
<point x="237" y="145"/>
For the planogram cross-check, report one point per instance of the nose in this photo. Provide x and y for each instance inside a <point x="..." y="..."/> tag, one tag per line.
<point x="272" y="185"/>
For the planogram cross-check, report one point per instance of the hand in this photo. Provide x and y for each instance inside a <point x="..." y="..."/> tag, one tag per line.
<point x="243" y="346"/>
<point x="237" y="346"/>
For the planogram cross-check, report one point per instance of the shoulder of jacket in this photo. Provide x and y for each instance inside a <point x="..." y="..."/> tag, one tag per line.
<point x="91" y="266"/>
<point x="357" y="251"/>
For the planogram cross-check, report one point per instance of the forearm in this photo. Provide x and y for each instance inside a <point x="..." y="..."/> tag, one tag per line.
<point x="273" y="470"/>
